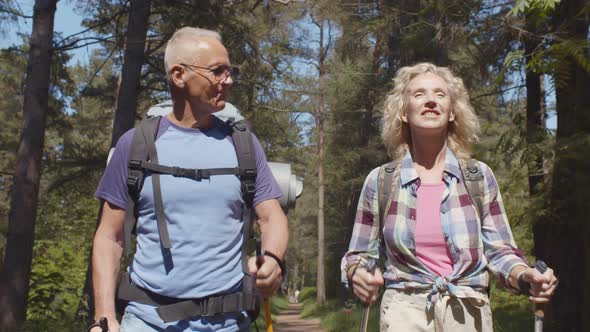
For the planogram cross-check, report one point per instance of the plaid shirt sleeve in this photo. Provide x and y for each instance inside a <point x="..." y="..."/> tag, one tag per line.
<point x="364" y="242"/>
<point x="499" y="246"/>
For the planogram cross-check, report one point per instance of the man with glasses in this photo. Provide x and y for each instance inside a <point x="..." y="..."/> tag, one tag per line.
<point x="203" y="217"/>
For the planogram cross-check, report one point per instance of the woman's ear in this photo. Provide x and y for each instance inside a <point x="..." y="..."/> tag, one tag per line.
<point x="404" y="117"/>
<point x="177" y="76"/>
<point x="452" y="116"/>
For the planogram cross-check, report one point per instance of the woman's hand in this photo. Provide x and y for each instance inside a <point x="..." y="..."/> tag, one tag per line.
<point x="366" y="285"/>
<point x="543" y="285"/>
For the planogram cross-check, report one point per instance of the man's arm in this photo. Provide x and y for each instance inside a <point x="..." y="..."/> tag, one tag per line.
<point x="106" y="257"/>
<point x="274" y="238"/>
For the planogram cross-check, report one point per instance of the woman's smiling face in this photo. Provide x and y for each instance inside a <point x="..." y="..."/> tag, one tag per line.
<point x="428" y="103"/>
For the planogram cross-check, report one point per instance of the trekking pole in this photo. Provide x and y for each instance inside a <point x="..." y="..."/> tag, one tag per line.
<point x="371" y="265"/>
<point x="267" y="313"/>
<point x="267" y="316"/>
<point x="539" y="309"/>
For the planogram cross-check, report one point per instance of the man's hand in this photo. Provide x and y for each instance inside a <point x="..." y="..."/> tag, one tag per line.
<point x="113" y="326"/>
<point x="366" y="285"/>
<point x="267" y="272"/>
<point x="542" y="285"/>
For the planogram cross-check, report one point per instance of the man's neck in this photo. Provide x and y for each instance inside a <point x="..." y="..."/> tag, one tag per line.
<point x="188" y="116"/>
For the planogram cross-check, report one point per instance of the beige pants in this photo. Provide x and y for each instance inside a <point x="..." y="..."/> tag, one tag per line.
<point x="406" y="311"/>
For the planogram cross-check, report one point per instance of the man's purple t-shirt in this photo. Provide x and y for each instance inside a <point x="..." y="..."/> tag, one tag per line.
<point x="203" y="217"/>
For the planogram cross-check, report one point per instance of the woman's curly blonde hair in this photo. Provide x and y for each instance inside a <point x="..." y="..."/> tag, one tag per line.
<point x="461" y="132"/>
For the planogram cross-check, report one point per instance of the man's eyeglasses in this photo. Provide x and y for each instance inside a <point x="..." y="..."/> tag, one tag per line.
<point x="220" y="72"/>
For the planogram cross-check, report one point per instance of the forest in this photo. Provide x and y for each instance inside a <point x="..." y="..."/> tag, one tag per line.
<point x="312" y="81"/>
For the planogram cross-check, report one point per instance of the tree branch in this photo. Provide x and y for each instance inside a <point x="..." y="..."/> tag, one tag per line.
<point x="493" y="93"/>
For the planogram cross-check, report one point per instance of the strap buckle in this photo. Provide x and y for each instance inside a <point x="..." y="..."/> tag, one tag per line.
<point x="135" y="164"/>
<point x="248" y="173"/>
<point x="132" y="181"/>
<point x="201" y="174"/>
<point x="191" y="173"/>
<point x="250" y="187"/>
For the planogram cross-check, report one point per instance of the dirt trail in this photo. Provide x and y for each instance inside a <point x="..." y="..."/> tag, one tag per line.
<point x="289" y="320"/>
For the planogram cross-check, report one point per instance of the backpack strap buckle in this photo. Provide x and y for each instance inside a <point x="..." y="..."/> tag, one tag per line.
<point x="250" y="188"/>
<point x="135" y="164"/>
<point x="184" y="172"/>
<point x="248" y="173"/>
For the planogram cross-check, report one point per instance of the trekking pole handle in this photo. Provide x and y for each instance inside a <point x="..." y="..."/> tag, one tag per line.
<point x="524" y="286"/>
<point x="370" y="266"/>
<point x="539" y="309"/>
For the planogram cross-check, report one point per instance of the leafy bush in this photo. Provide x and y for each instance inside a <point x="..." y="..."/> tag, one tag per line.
<point x="55" y="287"/>
<point x="307" y="293"/>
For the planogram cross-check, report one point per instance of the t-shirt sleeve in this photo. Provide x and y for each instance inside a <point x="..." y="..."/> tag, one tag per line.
<point x="266" y="185"/>
<point x="113" y="184"/>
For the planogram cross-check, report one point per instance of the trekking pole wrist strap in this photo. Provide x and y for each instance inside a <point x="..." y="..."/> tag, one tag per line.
<point x="101" y="322"/>
<point x="279" y="261"/>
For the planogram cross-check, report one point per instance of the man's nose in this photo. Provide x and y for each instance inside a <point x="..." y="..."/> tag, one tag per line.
<point x="228" y="80"/>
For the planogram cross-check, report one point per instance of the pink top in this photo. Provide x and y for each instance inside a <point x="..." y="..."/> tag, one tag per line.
<point x="431" y="248"/>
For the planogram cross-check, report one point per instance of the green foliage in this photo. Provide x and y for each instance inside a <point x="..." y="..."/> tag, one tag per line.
<point x="336" y="318"/>
<point x="307" y="293"/>
<point x="55" y="287"/>
<point x="522" y="6"/>
<point x="12" y="67"/>
<point x="510" y="312"/>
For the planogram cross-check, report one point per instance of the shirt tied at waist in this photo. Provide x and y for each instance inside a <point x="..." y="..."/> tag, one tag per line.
<point x="442" y="291"/>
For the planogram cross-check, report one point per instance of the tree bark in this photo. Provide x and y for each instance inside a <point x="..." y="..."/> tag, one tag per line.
<point x="535" y="114"/>
<point x="125" y="114"/>
<point x="563" y="237"/>
<point x="133" y="60"/>
<point x="321" y="279"/>
<point x="14" y="279"/>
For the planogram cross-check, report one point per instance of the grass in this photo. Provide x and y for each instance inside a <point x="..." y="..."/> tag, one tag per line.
<point x="336" y="318"/>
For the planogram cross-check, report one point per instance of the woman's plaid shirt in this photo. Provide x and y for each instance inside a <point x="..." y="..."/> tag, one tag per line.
<point x="475" y="245"/>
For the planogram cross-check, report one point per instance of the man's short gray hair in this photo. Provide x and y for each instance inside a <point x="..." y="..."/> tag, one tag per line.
<point x="181" y="45"/>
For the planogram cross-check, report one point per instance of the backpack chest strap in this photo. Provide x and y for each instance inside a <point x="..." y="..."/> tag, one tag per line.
<point x="191" y="173"/>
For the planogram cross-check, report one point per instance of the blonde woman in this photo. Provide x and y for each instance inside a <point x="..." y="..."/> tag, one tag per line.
<point x="439" y="244"/>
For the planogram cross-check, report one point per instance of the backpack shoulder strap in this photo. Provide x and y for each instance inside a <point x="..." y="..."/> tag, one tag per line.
<point x="473" y="177"/>
<point x="384" y="190"/>
<point x="242" y="139"/>
<point x="141" y="145"/>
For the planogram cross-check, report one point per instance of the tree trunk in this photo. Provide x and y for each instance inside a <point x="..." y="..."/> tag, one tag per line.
<point x="14" y="279"/>
<point x="133" y="60"/>
<point x="125" y="115"/>
<point x="321" y="279"/>
<point x="563" y="237"/>
<point x="534" y="111"/>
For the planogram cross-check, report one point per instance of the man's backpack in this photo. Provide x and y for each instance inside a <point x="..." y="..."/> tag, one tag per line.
<point x="388" y="180"/>
<point x="143" y="158"/>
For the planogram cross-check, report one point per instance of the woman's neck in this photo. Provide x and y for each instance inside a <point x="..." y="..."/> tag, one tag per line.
<point x="428" y="152"/>
<point x="429" y="158"/>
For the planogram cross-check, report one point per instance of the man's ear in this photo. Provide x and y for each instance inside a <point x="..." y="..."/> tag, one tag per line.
<point x="177" y="76"/>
